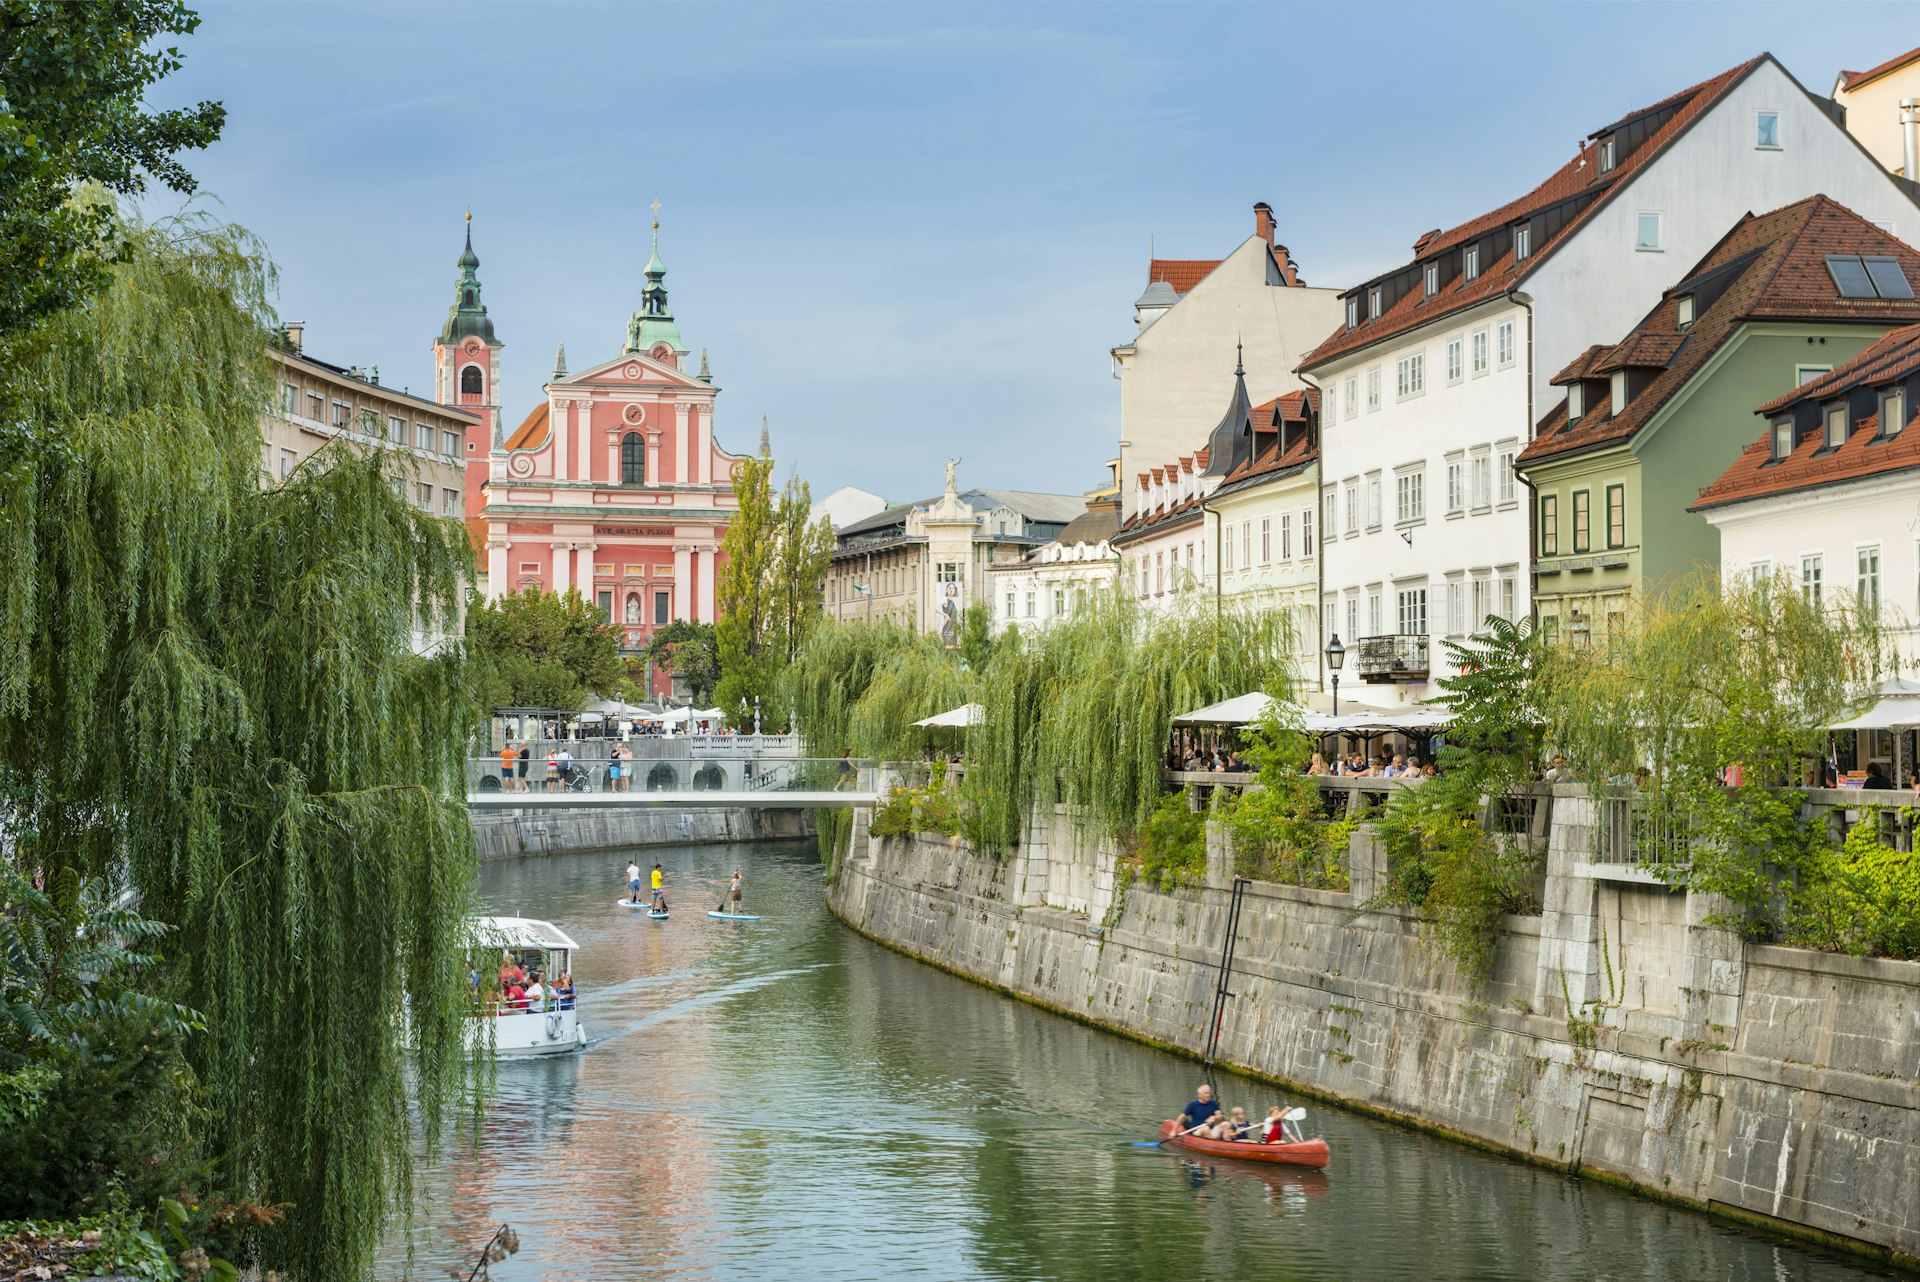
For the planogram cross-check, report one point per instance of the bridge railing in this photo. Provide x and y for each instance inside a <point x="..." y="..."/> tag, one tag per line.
<point x="686" y="772"/>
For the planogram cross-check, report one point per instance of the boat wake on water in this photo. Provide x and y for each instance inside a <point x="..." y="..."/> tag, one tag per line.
<point x="694" y="1003"/>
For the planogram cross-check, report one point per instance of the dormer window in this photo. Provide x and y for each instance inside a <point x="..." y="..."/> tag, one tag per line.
<point x="1606" y="155"/>
<point x="1893" y="411"/>
<point x="1522" y="242"/>
<point x="1433" y="279"/>
<point x="1685" y="307"/>
<point x="1353" y="313"/>
<point x="1782" y="437"/>
<point x="1373" y="303"/>
<point x="1617" y="388"/>
<point x="1576" y="402"/>
<point x="1470" y="262"/>
<point x="1835" y="418"/>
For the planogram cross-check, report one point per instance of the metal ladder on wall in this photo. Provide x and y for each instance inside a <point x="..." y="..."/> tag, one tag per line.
<point x="1220" y="990"/>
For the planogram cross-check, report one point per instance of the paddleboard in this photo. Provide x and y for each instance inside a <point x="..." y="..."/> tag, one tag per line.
<point x="628" y="903"/>
<point x="657" y="916"/>
<point x="734" y="916"/>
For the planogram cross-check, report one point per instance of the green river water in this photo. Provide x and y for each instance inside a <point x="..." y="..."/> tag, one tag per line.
<point x="786" y="1100"/>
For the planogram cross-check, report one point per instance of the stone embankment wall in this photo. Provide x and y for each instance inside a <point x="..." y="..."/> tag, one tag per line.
<point x="1772" y="1084"/>
<point x="508" y="834"/>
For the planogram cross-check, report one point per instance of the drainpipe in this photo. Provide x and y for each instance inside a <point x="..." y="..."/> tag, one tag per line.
<point x="1319" y="557"/>
<point x="1533" y="503"/>
<point x="1910" y="139"/>
<point x="1206" y="512"/>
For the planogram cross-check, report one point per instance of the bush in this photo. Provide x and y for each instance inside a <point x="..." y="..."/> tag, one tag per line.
<point x="1280" y="829"/>
<point x="1172" y="844"/>
<point x="1863" y="899"/>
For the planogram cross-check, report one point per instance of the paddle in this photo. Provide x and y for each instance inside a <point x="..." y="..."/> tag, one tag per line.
<point x="1157" y="1143"/>
<point x="1291" y="1115"/>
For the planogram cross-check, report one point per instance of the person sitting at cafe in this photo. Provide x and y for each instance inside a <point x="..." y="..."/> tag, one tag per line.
<point x="1318" y="766"/>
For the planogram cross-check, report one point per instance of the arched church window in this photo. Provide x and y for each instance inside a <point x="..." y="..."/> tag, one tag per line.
<point x="470" y="381"/>
<point x="633" y="459"/>
<point x="466" y="298"/>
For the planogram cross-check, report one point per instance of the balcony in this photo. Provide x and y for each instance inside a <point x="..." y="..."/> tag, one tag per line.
<point x="1391" y="658"/>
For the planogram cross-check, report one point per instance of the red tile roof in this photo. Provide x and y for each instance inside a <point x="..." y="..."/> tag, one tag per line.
<point x="1579" y="177"/>
<point x="1854" y="79"/>
<point x="1780" y="261"/>
<point x="1755" y="474"/>
<point x="532" y="432"/>
<point x="1303" y="447"/>
<point x="1181" y="273"/>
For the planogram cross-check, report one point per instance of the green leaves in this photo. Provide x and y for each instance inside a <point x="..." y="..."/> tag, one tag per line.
<point x="769" y="590"/>
<point x="536" y="649"/>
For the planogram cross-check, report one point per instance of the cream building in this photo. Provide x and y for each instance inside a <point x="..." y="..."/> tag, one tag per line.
<point x="1261" y="518"/>
<point x="923" y="564"/>
<point x="1057" y="579"/>
<point x="1190" y="318"/>
<point x="1879" y="103"/>
<point x="317" y="403"/>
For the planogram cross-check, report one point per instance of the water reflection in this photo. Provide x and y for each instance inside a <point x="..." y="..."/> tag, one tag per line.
<point x="784" y="1099"/>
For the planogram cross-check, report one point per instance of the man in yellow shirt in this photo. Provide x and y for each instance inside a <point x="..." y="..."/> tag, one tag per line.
<point x="659" y="899"/>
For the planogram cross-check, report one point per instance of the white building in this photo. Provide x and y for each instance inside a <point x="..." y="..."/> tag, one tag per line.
<point x="1057" y="579"/>
<point x="1262" y="516"/>
<point x="845" y="506"/>
<point x="1430" y="384"/>
<point x="1193" y="313"/>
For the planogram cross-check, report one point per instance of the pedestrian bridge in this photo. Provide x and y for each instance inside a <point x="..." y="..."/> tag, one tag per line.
<point x="694" y="780"/>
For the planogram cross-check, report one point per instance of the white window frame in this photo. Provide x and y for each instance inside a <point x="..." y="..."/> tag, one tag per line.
<point x="1504" y="344"/>
<point x="1813" y="575"/>
<point x="1456" y="359"/>
<point x="1780" y="436"/>
<point x="1410" y="376"/>
<point x="1353" y="506"/>
<point x="1456" y="607"/>
<point x="1509" y="595"/>
<point x="1456" y="485"/>
<point x="1306" y="531"/>
<point x="1351" y="397"/>
<point x="1617" y="390"/>
<point x="1834" y="424"/>
<point x="1641" y="219"/>
<point x="1410" y="495"/>
<point x="1430" y="279"/>
<point x="1897" y="398"/>
<point x="1760" y="572"/>
<point x="1478" y="349"/>
<point x="1506" y="489"/>
<point x="1353" y="312"/>
<point x="1576" y="401"/>
<point x="1374" y="503"/>
<point x="1412" y="610"/>
<point x="1760" y="119"/>
<point x="1373" y="389"/>
<point x="1266" y="540"/>
<point x="1522" y="242"/>
<point x="1375" y="619"/>
<point x="1683" y="313"/>
<point x="1863" y="579"/>
<point x="1481" y="479"/>
<point x="1373" y="303"/>
<point x="1804" y="374"/>
<point x="1353" y="617"/>
<point x="1470" y="262"/>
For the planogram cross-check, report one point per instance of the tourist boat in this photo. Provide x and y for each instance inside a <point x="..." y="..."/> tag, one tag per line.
<point x="1313" y="1152"/>
<point x="534" y="946"/>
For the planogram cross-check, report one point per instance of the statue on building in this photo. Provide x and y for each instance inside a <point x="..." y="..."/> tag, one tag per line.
<point x="952" y="463"/>
<point x="633" y="608"/>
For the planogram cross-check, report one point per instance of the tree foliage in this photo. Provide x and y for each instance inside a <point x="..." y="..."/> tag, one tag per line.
<point x="536" y="649"/>
<point x="858" y="687"/>
<point x="688" y="652"/>
<point x="73" y="83"/>
<point x="210" y="695"/>
<point x="769" y="590"/>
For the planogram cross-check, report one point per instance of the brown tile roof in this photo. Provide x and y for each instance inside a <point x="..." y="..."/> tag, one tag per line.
<point x="1854" y="79"/>
<point x="1755" y="474"/>
<point x="1579" y="177"/>
<point x="1780" y="261"/>
<point x="1271" y="460"/>
<point x="1181" y="273"/>
<point x="532" y="432"/>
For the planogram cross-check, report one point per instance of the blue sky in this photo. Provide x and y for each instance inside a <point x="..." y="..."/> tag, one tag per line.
<point x="902" y="231"/>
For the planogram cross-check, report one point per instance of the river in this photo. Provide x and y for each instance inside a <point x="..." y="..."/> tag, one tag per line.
<point x="784" y="1099"/>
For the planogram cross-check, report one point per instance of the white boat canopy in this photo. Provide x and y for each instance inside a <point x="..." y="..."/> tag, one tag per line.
<point x="967" y="714"/>
<point x="521" y="932"/>
<point x="1896" y="706"/>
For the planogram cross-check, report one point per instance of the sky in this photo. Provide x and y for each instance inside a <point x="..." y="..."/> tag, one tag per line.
<point x="902" y="231"/>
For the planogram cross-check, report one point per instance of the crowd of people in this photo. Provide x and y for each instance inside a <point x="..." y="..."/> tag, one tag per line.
<point x="1357" y="765"/>
<point x="1205" y="1119"/>
<point x="522" y="989"/>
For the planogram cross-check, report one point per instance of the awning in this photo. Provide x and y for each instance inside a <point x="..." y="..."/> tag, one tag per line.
<point x="1317" y="716"/>
<point x="1896" y="706"/>
<point x="520" y="932"/>
<point x="967" y="714"/>
<point x="1241" y="710"/>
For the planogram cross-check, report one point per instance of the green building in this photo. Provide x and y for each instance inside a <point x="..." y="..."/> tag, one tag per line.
<point x="1649" y="422"/>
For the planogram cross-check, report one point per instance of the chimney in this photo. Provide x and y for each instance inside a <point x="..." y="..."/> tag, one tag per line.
<point x="294" y="331"/>
<point x="1910" y="139"/>
<point x="1263" y="221"/>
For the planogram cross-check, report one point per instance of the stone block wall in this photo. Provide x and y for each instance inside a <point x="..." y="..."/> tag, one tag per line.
<point x="509" y="834"/>
<point x="1769" y="1083"/>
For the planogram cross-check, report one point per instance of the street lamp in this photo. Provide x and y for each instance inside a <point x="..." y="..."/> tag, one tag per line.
<point x="1336" y="655"/>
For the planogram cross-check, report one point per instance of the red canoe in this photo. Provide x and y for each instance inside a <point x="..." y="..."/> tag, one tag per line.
<point x="1312" y="1152"/>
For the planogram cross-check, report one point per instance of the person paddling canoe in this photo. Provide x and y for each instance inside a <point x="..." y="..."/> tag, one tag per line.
<point x="1201" y="1111"/>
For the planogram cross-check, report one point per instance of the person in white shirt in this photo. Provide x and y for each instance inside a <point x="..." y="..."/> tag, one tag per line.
<point x="633" y="882"/>
<point x="536" y="995"/>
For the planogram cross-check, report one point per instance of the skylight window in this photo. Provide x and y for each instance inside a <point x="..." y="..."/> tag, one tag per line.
<point x="1868" y="277"/>
<point x="1686" y="310"/>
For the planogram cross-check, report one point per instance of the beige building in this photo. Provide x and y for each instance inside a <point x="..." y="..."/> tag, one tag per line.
<point x="1876" y="116"/>
<point x="317" y="403"/>
<point x="922" y="564"/>
<point x="1197" y="320"/>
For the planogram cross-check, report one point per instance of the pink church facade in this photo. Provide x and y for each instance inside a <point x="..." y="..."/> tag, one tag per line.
<point x="614" y="486"/>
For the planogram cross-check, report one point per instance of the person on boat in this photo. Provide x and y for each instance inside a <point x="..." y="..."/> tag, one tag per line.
<point x="510" y="972"/>
<point x="1233" y="1126"/>
<point x="1202" y="1111"/>
<point x="1274" y="1129"/>
<point x="536" y="993"/>
<point x="513" y="997"/>
<point x="563" y="990"/>
<point x="733" y="891"/>
<point x="633" y="882"/>
<point x="659" y="895"/>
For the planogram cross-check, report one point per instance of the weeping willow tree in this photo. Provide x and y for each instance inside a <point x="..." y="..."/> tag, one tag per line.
<point x="859" y="687"/>
<point x="1711" y="676"/>
<point x="1082" y="712"/>
<point x="211" y="695"/>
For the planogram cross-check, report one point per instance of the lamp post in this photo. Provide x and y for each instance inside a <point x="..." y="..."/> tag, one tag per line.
<point x="1336" y="655"/>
